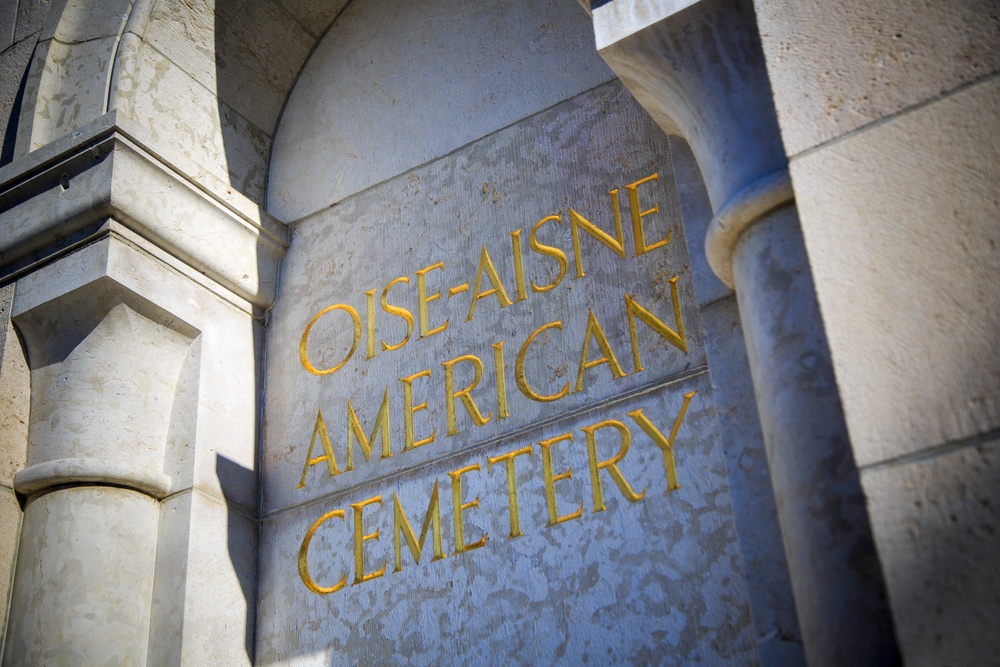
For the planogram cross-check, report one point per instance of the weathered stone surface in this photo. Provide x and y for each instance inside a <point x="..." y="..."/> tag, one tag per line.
<point x="247" y="53"/>
<point x="83" y="549"/>
<point x="13" y="66"/>
<point x="211" y="136"/>
<point x="313" y="15"/>
<point x="31" y="15"/>
<point x="205" y="568"/>
<point x="448" y="211"/>
<point x="907" y="276"/>
<point x="66" y="95"/>
<point x="10" y="533"/>
<point x="768" y="583"/>
<point x="935" y="525"/>
<point x="82" y="20"/>
<point x="656" y="581"/>
<point x="8" y="18"/>
<point x="394" y="65"/>
<point x="15" y="398"/>
<point x="836" y="67"/>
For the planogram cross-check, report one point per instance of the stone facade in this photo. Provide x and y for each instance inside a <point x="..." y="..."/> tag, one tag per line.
<point x="363" y="332"/>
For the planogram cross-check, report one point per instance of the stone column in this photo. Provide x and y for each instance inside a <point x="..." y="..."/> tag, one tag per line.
<point x="697" y="67"/>
<point x="138" y="299"/>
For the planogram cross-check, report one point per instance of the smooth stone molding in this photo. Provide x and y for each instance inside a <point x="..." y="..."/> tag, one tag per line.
<point x="742" y="210"/>
<point x="54" y="199"/>
<point x="37" y="478"/>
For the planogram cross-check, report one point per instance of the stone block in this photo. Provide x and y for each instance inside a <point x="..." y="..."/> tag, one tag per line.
<point x="8" y="19"/>
<point x="768" y="584"/>
<point x="210" y="137"/>
<point x="204" y="579"/>
<point x="835" y="67"/>
<point x="393" y="66"/>
<point x="900" y="222"/>
<point x="651" y="581"/>
<point x="10" y="534"/>
<point x="935" y="522"/>
<point x="248" y="54"/>
<point x="67" y="98"/>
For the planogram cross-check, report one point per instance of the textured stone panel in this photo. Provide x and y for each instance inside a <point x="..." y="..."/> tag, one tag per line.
<point x="567" y="157"/>
<point x="13" y="66"/>
<point x="505" y="61"/>
<point x="900" y="222"/>
<point x="15" y="398"/>
<point x="10" y="532"/>
<point x="655" y="581"/>
<point x="935" y="526"/>
<point x="837" y="66"/>
<point x="31" y="15"/>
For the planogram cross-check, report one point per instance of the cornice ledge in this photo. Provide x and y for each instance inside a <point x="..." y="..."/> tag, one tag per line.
<point x="63" y="192"/>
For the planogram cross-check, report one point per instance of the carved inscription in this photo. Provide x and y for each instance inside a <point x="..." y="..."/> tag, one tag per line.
<point x="474" y="388"/>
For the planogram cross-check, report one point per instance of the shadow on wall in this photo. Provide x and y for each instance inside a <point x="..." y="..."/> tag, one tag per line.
<point x="242" y="547"/>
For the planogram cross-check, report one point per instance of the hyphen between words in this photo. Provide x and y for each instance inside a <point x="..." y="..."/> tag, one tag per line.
<point x="487" y="283"/>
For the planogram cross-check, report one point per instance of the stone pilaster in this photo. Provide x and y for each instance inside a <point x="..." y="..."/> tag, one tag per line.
<point x="697" y="67"/>
<point x="138" y="298"/>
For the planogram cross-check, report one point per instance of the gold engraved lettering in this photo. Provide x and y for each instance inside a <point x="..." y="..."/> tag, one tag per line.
<point x="423" y="299"/>
<point x="617" y="244"/>
<point x="359" y="541"/>
<point x="403" y="529"/>
<point x="464" y="394"/>
<point x="354" y="430"/>
<point x="594" y="329"/>
<point x="304" y="357"/>
<point x="486" y="265"/>
<point x="498" y="366"/>
<point x="522" y="290"/>
<point x="611" y="465"/>
<point x="370" y="303"/>
<point x="638" y="214"/>
<point x="508" y="459"/>
<point x="458" y="289"/>
<point x="328" y="456"/>
<point x="409" y="408"/>
<point x="675" y="338"/>
<point x="398" y="312"/>
<point x="459" y="507"/>
<point x="551" y="479"/>
<point x="548" y="251"/>
<point x="666" y="445"/>
<point x="522" y="381"/>
<point x="304" y="557"/>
